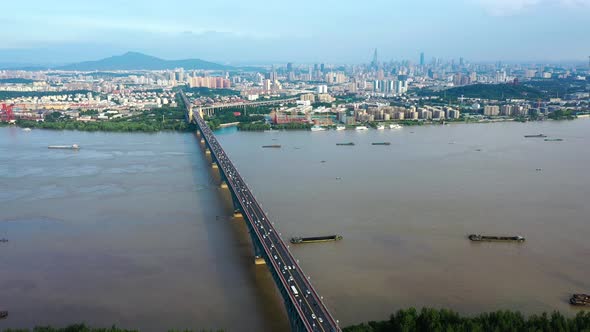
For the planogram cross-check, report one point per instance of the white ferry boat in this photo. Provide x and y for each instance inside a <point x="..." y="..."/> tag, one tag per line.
<point x="317" y="128"/>
<point x="361" y="128"/>
<point x="340" y="127"/>
<point x="395" y="126"/>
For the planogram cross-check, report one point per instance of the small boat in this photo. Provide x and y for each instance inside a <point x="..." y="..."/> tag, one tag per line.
<point x="3" y="314"/>
<point x="361" y="128"/>
<point x="535" y="136"/>
<point x="66" y="147"/>
<point x="480" y="238"/>
<point x="578" y="301"/>
<point x="27" y="129"/>
<point x="345" y="144"/>
<point x="395" y="126"/>
<point x="276" y="146"/>
<point x="340" y="127"/>
<point x="3" y="240"/>
<point x="381" y="143"/>
<point x="317" y="128"/>
<point x="322" y="161"/>
<point x="553" y="139"/>
<point x="380" y="127"/>
<point x="297" y="240"/>
<point x="338" y="178"/>
<point x="585" y="297"/>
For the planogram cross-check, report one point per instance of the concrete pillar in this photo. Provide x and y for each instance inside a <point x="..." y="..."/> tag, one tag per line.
<point x="238" y="214"/>
<point x="202" y="140"/>
<point x="214" y="165"/>
<point x="207" y="151"/>
<point x="259" y="260"/>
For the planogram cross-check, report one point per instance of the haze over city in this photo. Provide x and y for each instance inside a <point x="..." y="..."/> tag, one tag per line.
<point x="256" y="32"/>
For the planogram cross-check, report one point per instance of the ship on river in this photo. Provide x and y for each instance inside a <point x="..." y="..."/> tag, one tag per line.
<point x="65" y="147"/>
<point x="535" y="136"/>
<point x="313" y="239"/>
<point x="493" y="238"/>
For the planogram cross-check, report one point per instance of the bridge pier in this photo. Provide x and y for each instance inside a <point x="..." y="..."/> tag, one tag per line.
<point x="214" y="165"/>
<point x="223" y="185"/>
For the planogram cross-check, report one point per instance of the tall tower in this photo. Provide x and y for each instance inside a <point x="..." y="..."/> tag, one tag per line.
<point x="375" y="62"/>
<point x="422" y="59"/>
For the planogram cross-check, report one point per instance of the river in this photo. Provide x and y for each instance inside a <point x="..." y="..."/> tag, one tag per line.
<point x="134" y="230"/>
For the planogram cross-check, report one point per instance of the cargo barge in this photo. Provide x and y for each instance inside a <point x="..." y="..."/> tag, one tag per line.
<point x="553" y="139"/>
<point x="580" y="300"/>
<point x="313" y="239"/>
<point x="66" y="147"/>
<point x="276" y="146"/>
<point x="3" y="240"/>
<point x="535" y="136"/>
<point x="481" y="238"/>
<point x="345" y="144"/>
<point x="381" y="143"/>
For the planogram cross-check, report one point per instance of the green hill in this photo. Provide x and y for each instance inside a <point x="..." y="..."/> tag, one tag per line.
<point x="492" y="91"/>
<point x="140" y="61"/>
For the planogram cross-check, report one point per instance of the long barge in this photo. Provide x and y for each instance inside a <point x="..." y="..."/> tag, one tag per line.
<point x="381" y="143"/>
<point x="345" y="144"/>
<point x="482" y="238"/>
<point x="535" y="136"/>
<point x="66" y="147"/>
<point x="580" y="300"/>
<point x="276" y="146"/>
<point x="313" y="239"/>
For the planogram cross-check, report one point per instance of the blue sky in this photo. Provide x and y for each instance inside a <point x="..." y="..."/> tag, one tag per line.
<point x="303" y="31"/>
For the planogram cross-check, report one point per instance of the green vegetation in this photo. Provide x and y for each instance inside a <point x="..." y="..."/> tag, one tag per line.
<point x="293" y="126"/>
<point x="154" y="120"/>
<point x="562" y="115"/>
<point x="488" y="91"/>
<point x="556" y="87"/>
<point x="254" y="126"/>
<point x="84" y="328"/>
<point x="16" y="81"/>
<point x="206" y="92"/>
<point x="449" y="321"/>
<point x="17" y="94"/>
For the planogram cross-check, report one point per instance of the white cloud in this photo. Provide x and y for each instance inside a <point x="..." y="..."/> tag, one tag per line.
<point x="511" y="7"/>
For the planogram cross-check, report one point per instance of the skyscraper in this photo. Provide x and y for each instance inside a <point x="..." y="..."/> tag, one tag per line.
<point x="375" y="62"/>
<point x="422" y="59"/>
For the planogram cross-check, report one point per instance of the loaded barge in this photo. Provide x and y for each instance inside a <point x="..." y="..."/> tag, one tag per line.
<point x="580" y="300"/>
<point x="345" y="144"/>
<point x="481" y="238"/>
<point x="535" y="136"/>
<point x="381" y="143"/>
<point x="276" y="146"/>
<point x="313" y="239"/>
<point x="67" y="147"/>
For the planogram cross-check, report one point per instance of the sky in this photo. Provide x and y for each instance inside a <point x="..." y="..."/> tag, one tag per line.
<point x="302" y="31"/>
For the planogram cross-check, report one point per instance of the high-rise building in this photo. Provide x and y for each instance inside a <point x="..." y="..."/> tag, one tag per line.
<point x="422" y="59"/>
<point x="375" y="62"/>
<point x="289" y="67"/>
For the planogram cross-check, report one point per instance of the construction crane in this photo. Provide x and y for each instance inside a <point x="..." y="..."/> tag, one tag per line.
<point x="6" y="113"/>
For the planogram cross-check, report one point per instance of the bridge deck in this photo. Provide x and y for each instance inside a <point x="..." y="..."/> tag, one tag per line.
<point x="290" y="278"/>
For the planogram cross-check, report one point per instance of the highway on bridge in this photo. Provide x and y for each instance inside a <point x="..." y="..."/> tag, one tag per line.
<point x="291" y="280"/>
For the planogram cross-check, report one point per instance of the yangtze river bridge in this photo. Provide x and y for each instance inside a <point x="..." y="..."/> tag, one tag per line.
<point x="305" y="309"/>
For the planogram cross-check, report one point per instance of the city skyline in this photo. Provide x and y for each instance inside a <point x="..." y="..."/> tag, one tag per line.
<point x="479" y="30"/>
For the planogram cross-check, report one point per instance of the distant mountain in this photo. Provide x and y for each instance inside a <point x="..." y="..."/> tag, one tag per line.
<point x="139" y="61"/>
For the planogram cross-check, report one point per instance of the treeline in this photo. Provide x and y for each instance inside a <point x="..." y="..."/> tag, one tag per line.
<point x="207" y="92"/>
<point x="84" y="328"/>
<point x="254" y="126"/>
<point x="562" y="115"/>
<point x="17" y="94"/>
<point x="112" y="126"/>
<point x="428" y="320"/>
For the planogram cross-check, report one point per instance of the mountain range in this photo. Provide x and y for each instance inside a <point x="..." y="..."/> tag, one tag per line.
<point x="140" y="61"/>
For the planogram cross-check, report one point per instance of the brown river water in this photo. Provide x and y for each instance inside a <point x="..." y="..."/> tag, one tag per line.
<point x="134" y="230"/>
